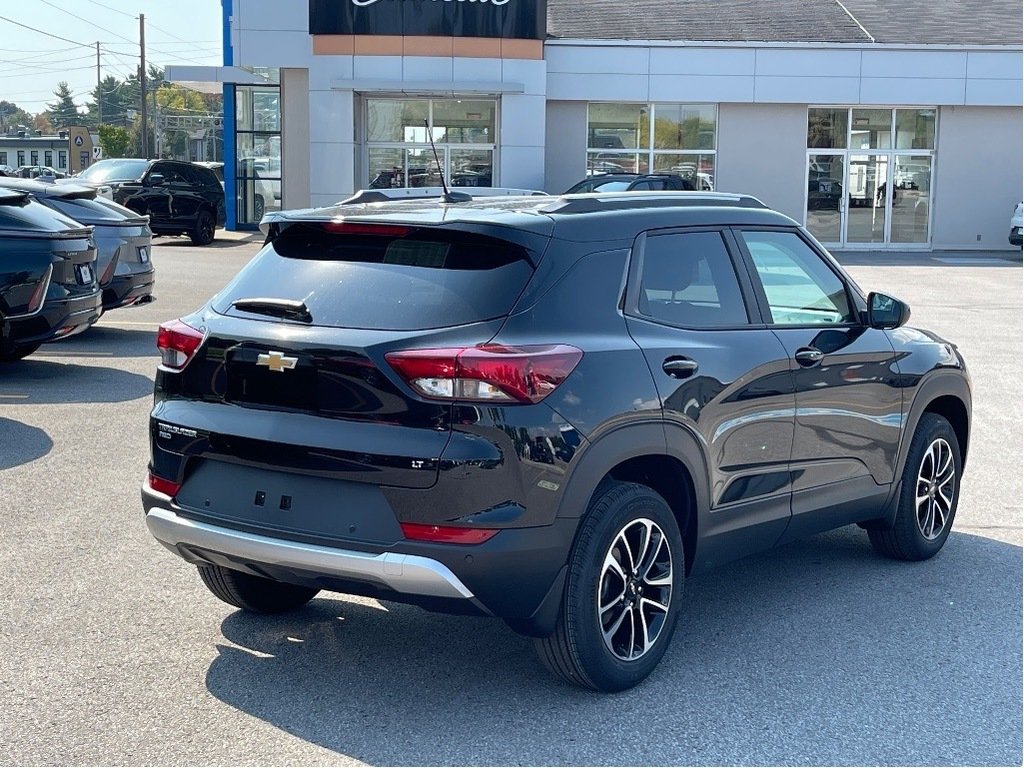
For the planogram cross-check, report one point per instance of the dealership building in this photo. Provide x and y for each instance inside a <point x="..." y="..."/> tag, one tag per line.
<point x="880" y="124"/>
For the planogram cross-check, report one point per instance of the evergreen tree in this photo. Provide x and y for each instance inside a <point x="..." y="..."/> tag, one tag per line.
<point x="63" y="112"/>
<point x="13" y="115"/>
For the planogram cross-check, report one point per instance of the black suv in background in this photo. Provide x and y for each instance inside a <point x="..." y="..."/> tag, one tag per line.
<point x="179" y="198"/>
<point x="550" y="410"/>
<point x="48" y="287"/>
<point x="633" y="182"/>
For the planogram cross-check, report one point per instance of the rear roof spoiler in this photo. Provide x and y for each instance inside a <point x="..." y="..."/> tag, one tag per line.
<point x="13" y="197"/>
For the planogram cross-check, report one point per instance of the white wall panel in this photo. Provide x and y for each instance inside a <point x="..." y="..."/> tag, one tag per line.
<point x="601" y="59"/>
<point x="799" y="62"/>
<point x="531" y="74"/>
<point x="331" y="116"/>
<point x="565" y="145"/>
<point x="295" y="133"/>
<point x="807" y="90"/>
<point x="598" y="87"/>
<point x="521" y="167"/>
<point x="276" y="49"/>
<point x="713" y="88"/>
<point x="325" y="70"/>
<point x="468" y="69"/>
<point x="522" y="121"/>
<point x="913" y="64"/>
<point x="427" y="68"/>
<point x="999" y="65"/>
<point x="377" y="67"/>
<point x="702" y="61"/>
<point x="994" y="92"/>
<point x="331" y="168"/>
<point x="271" y="15"/>
<point x="908" y="90"/>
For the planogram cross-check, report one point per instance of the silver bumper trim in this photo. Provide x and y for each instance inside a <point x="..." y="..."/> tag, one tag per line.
<point x="407" y="574"/>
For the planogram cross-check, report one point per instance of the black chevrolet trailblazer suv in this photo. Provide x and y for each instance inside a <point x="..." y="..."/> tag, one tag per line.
<point x="549" y="410"/>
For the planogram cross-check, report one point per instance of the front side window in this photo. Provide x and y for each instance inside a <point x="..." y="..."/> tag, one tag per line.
<point x="677" y="139"/>
<point x="799" y="286"/>
<point x="687" y="279"/>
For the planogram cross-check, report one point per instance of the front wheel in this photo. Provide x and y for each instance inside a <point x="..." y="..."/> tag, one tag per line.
<point x="929" y="492"/>
<point x="621" y="600"/>
<point x="203" y="231"/>
<point x="254" y="593"/>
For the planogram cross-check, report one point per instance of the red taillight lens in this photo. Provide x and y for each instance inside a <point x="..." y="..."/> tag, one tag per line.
<point x="37" y="295"/>
<point x="108" y="273"/>
<point x="447" y="534"/>
<point x="177" y="342"/>
<point x="488" y="373"/>
<point x="162" y="485"/>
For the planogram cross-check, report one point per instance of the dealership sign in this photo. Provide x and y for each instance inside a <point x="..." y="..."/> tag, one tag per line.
<point x="443" y="18"/>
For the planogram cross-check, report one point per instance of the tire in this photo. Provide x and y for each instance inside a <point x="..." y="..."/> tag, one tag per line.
<point x="205" y="227"/>
<point x="254" y="593"/>
<point x="929" y="492"/>
<point x="17" y="352"/>
<point x="596" y="643"/>
<point x="258" y="208"/>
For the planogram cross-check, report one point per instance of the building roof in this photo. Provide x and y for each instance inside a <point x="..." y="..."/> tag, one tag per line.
<point x="950" y="22"/>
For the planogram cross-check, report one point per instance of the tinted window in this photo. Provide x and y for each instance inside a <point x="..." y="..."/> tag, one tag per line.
<point x="611" y="186"/>
<point x="799" y="286"/>
<point x="114" y="170"/>
<point x="171" y="173"/>
<point x="688" y="279"/>
<point x="427" y="279"/>
<point x="34" y="216"/>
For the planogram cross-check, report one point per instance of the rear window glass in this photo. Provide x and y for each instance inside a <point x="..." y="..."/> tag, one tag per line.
<point x="34" y="216"/>
<point x="423" y="279"/>
<point x="114" y="170"/>
<point x="83" y="209"/>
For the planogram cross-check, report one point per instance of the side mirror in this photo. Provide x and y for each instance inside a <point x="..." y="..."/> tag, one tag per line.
<point x="155" y="180"/>
<point x="886" y="312"/>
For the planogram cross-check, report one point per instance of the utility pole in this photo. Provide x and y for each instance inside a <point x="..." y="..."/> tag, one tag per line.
<point x="99" y="84"/>
<point x="142" y="84"/>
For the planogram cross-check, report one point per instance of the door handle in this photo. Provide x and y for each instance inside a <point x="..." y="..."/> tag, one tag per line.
<point x="808" y="356"/>
<point x="679" y="367"/>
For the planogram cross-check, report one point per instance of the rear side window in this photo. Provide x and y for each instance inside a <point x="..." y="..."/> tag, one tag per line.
<point x="419" y="278"/>
<point x="687" y="279"/>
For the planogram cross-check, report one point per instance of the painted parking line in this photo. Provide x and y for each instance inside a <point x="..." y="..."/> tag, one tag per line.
<point x="13" y="397"/>
<point x="968" y="261"/>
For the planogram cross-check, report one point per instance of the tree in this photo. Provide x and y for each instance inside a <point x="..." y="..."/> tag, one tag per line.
<point x="115" y="98"/>
<point x="63" y="111"/>
<point x="11" y="114"/>
<point x="42" y="124"/>
<point x="115" y="141"/>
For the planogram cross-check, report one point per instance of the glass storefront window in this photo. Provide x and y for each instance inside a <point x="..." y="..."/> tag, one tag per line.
<point x="257" y="152"/>
<point x="659" y="138"/>
<point x="684" y="126"/>
<point x="618" y="126"/>
<point x="827" y="128"/>
<point x="871" y="129"/>
<point x="399" y="154"/>
<point x="915" y="129"/>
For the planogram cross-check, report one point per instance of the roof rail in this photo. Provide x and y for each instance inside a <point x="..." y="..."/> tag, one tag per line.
<point x="423" y="193"/>
<point x="625" y="201"/>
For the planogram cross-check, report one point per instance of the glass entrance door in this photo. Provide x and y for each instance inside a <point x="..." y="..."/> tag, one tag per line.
<point x="868" y="195"/>
<point x="826" y="209"/>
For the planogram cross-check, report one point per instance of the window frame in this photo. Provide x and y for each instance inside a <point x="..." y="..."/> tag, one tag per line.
<point x="857" y="304"/>
<point x="631" y="305"/>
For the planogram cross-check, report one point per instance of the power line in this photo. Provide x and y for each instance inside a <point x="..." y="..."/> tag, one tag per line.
<point x="82" y="18"/>
<point x="111" y="8"/>
<point x="48" y="34"/>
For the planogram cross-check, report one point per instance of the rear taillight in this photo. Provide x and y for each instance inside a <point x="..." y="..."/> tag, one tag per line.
<point x="447" y="534"/>
<point x="488" y="373"/>
<point x="163" y="485"/>
<point x="108" y="273"/>
<point x="39" y="293"/>
<point x="177" y="343"/>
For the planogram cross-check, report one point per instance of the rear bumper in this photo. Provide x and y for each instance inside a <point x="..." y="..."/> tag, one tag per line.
<point x="56" y="320"/>
<point x="129" y="290"/>
<point x="515" y="575"/>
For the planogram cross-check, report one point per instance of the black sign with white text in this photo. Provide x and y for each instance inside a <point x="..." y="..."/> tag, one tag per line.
<point x="524" y="19"/>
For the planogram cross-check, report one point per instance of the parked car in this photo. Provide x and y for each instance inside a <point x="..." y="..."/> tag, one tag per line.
<point x="179" y="198"/>
<point x="548" y="410"/>
<point x="253" y="188"/>
<point x="632" y="182"/>
<point x="123" y="238"/>
<point x="48" y="287"/>
<point x="1016" y="222"/>
<point x="35" y="171"/>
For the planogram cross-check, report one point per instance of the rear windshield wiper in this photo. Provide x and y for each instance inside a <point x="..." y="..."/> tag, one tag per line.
<point x="289" y="309"/>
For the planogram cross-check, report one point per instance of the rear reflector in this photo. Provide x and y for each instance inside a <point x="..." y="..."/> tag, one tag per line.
<point x="447" y="534"/>
<point x="161" y="485"/>
<point x="177" y="342"/>
<point x="487" y="373"/>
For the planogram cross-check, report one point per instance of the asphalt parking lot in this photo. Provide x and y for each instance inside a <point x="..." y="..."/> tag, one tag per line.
<point x="817" y="653"/>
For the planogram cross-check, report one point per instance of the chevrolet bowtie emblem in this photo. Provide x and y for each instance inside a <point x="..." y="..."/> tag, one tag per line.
<point x="277" y="361"/>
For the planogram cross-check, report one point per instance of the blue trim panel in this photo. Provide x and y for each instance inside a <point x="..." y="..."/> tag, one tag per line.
<point x="230" y="152"/>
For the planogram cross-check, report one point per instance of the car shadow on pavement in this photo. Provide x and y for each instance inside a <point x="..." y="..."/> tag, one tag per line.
<point x="219" y="242"/>
<point x="820" y="652"/>
<point x="35" y="381"/>
<point x="21" y="443"/>
<point x="103" y="341"/>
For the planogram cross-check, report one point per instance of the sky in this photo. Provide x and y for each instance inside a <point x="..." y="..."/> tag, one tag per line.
<point x="32" y="63"/>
